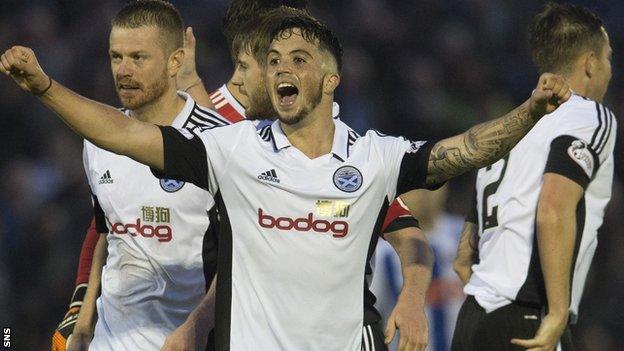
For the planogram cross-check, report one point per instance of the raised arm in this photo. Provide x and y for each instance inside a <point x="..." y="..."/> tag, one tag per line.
<point x="187" y="78"/>
<point x="102" y="125"/>
<point x="487" y="142"/>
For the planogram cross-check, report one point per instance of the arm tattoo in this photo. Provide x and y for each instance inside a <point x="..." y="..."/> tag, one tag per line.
<point x="418" y="253"/>
<point x="412" y="249"/>
<point x="468" y="248"/>
<point x="480" y="146"/>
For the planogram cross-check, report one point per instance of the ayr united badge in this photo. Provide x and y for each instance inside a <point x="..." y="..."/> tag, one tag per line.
<point x="348" y="179"/>
<point x="171" y="185"/>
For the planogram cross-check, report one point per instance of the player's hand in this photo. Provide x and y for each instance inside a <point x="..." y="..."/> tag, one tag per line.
<point x="79" y="341"/>
<point x="547" y="336"/>
<point x="551" y="91"/>
<point x="409" y="317"/>
<point x="187" y="337"/>
<point x="21" y="64"/>
<point x="65" y="329"/>
<point x="187" y="75"/>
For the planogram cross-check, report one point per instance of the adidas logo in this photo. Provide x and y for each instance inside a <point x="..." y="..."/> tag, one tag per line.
<point x="270" y="176"/>
<point x="106" y="178"/>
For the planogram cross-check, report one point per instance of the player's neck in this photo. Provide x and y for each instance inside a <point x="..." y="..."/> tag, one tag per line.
<point x="577" y="84"/>
<point x="236" y="93"/>
<point x="162" y="111"/>
<point x="314" y="135"/>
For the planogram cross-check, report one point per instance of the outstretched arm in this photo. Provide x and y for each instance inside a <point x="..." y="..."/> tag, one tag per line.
<point x="103" y="125"/>
<point x="487" y="142"/>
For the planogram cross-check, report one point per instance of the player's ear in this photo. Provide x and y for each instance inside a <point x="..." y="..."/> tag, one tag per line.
<point x="330" y="82"/>
<point x="590" y="61"/>
<point x="176" y="59"/>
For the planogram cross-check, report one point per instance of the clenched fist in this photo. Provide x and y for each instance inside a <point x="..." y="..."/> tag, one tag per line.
<point x="551" y="91"/>
<point x="21" y="64"/>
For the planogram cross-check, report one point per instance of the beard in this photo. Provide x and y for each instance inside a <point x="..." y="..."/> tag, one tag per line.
<point x="146" y="94"/>
<point x="260" y="106"/>
<point x="315" y="100"/>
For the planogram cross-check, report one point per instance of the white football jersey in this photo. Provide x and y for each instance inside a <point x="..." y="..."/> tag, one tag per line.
<point x="576" y="141"/>
<point x="295" y="234"/>
<point x="157" y="229"/>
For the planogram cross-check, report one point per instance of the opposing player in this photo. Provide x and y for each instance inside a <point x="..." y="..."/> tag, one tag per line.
<point x="232" y="99"/>
<point x="539" y="209"/>
<point x="291" y="271"/>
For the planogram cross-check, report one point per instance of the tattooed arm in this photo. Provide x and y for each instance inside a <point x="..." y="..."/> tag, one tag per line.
<point x="487" y="142"/>
<point x="467" y="251"/>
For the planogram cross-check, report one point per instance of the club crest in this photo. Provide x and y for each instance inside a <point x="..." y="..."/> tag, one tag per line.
<point x="171" y="185"/>
<point x="348" y="179"/>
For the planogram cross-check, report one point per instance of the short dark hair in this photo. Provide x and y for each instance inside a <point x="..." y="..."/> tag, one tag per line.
<point x="255" y="37"/>
<point x="560" y="33"/>
<point x="241" y="12"/>
<point x="312" y="31"/>
<point x="157" y="13"/>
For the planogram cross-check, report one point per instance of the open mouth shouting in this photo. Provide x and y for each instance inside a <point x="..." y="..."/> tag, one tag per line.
<point x="287" y="94"/>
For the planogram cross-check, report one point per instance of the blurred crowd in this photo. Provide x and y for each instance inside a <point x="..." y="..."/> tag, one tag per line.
<point x="423" y="69"/>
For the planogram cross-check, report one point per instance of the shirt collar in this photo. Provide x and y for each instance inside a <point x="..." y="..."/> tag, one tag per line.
<point x="189" y="105"/>
<point x="340" y="146"/>
<point x="335" y="110"/>
<point x="229" y="97"/>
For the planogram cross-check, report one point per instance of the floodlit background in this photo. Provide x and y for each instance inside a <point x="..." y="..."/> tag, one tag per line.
<point x="423" y="69"/>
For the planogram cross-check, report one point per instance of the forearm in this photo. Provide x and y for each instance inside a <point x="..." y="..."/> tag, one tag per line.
<point x="416" y="262"/>
<point x="89" y="118"/>
<point x="556" y="234"/>
<point x="104" y="125"/>
<point x="480" y="146"/>
<point x="86" y="320"/>
<point x="203" y="315"/>
<point x="466" y="252"/>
